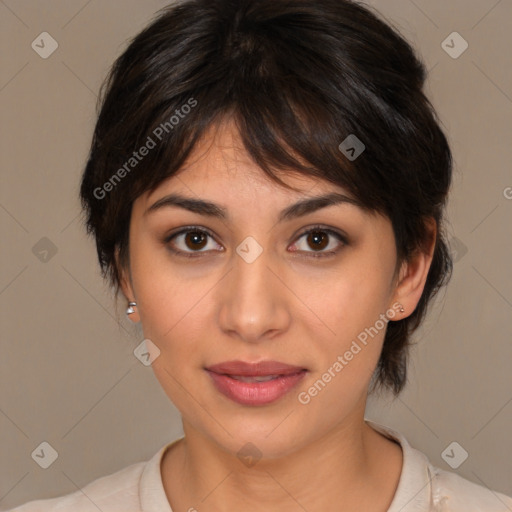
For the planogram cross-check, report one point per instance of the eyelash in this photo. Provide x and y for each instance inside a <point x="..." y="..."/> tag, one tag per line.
<point x="315" y="255"/>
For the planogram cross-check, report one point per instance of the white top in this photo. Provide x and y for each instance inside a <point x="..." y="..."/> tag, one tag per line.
<point x="421" y="488"/>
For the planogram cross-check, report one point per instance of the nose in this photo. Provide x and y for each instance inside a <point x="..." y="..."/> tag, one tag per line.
<point x="254" y="300"/>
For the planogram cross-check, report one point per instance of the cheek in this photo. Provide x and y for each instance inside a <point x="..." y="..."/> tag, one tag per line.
<point x="348" y="299"/>
<point x="174" y="321"/>
<point x="166" y="297"/>
<point x="350" y="303"/>
<point x="344" y="359"/>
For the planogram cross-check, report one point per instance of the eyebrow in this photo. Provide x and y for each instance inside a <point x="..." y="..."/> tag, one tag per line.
<point x="298" y="209"/>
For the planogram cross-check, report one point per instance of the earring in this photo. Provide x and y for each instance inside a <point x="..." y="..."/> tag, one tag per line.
<point x="129" y="309"/>
<point x="402" y="310"/>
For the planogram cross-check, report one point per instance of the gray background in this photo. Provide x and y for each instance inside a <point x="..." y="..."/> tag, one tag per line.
<point x="68" y="375"/>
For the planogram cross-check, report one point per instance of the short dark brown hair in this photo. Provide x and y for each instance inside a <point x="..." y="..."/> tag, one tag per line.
<point x="297" y="77"/>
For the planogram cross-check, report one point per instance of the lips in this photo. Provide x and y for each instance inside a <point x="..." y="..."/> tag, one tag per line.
<point x="260" y="369"/>
<point x="255" y="384"/>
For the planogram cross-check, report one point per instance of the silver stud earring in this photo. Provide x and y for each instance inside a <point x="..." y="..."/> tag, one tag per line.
<point x="402" y="310"/>
<point x="129" y="309"/>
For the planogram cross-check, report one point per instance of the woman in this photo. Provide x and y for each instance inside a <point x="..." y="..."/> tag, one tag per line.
<point x="266" y="186"/>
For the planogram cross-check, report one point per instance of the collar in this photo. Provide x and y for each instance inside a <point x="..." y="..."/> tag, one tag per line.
<point x="151" y="488"/>
<point x="414" y="490"/>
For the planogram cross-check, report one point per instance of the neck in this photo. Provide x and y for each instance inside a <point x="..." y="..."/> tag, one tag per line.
<point x="350" y="468"/>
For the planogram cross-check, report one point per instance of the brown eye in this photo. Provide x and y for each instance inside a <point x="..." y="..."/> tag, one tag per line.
<point x="190" y="243"/>
<point x="317" y="239"/>
<point x="195" y="239"/>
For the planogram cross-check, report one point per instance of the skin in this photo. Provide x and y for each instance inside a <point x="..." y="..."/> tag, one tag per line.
<point x="286" y="306"/>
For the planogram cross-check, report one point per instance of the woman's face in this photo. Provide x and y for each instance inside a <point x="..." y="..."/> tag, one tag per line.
<point x="251" y="287"/>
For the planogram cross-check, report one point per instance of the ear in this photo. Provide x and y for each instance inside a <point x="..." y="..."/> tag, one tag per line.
<point x="125" y="282"/>
<point x="413" y="273"/>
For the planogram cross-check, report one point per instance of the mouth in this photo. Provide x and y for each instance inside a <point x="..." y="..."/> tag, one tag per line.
<point x="255" y="383"/>
<point x="262" y="378"/>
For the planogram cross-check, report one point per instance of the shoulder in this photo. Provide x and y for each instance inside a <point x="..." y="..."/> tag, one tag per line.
<point x="453" y="493"/>
<point x="114" y="492"/>
<point x="425" y="488"/>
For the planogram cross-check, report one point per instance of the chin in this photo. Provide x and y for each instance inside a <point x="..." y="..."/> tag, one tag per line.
<point x="270" y="438"/>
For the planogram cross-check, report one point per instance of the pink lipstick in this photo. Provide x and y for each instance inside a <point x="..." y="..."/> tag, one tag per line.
<point x="255" y="383"/>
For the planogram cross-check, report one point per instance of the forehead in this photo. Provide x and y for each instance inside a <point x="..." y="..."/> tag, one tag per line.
<point x="220" y="180"/>
<point x="219" y="166"/>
